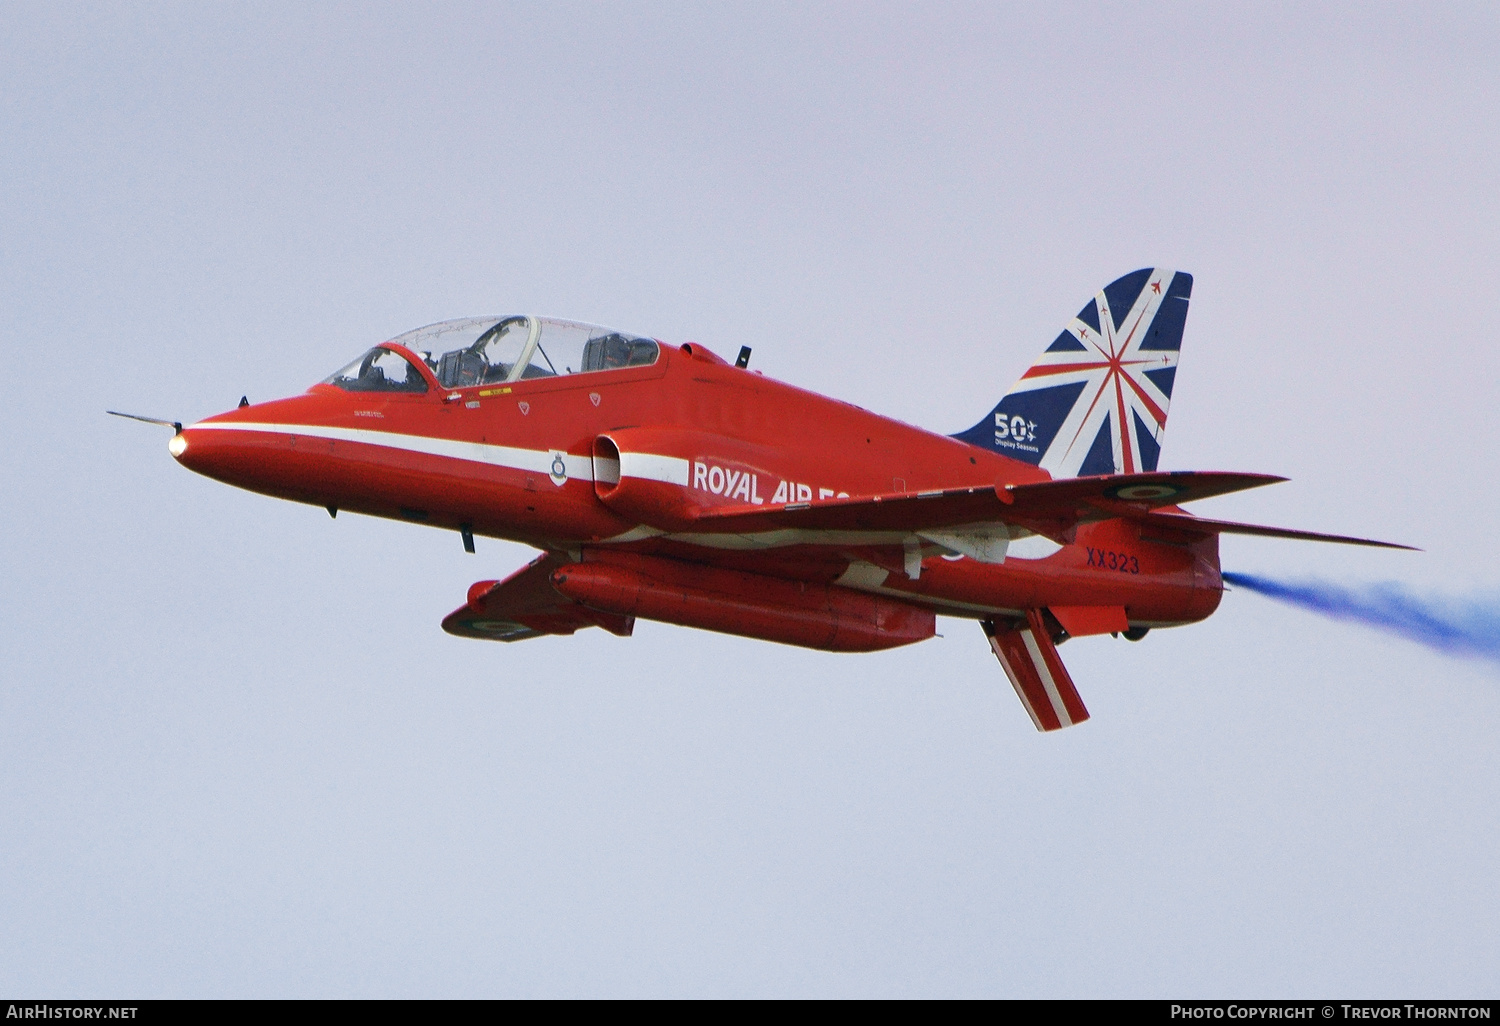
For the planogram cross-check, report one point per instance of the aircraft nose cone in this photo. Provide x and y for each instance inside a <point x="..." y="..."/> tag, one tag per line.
<point x="218" y="454"/>
<point x="195" y="449"/>
<point x="265" y="449"/>
<point x="260" y="453"/>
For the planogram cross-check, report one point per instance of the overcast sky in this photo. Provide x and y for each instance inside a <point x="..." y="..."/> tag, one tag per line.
<point x="239" y="757"/>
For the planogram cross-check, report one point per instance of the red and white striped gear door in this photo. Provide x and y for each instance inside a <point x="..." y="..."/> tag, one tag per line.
<point x="1041" y="681"/>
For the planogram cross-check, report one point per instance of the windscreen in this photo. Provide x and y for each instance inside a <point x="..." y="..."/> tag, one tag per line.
<point x="379" y="370"/>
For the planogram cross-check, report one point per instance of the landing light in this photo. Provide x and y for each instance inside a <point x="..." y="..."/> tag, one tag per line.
<point x="177" y="446"/>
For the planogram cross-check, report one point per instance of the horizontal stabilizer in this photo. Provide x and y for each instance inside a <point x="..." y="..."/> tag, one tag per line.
<point x="525" y="605"/>
<point x="1041" y="681"/>
<point x="1181" y="522"/>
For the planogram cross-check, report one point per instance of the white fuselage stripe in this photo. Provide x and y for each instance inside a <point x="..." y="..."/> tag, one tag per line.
<point x="646" y="466"/>
<point x="538" y="461"/>
<point x="666" y="469"/>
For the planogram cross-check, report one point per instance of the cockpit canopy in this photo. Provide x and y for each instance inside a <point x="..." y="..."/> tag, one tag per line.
<point x="489" y="350"/>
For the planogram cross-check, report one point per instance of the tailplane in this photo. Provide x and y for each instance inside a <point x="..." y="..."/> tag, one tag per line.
<point x="1096" y="401"/>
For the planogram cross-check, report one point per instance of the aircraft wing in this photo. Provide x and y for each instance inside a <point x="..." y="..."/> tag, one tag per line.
<point x="1050" y="508"/>
<point x="525" y="605"/>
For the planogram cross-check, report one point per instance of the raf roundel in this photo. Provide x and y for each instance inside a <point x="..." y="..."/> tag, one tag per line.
<point x="1145" y="492"/>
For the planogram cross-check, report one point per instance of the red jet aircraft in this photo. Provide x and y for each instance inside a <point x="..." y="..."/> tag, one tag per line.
<point x="668" y="484"/>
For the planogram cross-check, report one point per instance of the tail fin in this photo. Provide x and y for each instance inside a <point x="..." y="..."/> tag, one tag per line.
<point x="1110" y="370"/>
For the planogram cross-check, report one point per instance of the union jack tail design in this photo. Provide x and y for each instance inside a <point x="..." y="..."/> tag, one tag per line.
<point x="1096" y="402"/>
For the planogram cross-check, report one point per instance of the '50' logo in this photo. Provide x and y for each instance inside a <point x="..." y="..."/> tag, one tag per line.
<point x="1016" y="428"/>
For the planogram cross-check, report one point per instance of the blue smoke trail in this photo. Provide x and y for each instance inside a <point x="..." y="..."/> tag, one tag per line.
<point x="1462" y="627"/>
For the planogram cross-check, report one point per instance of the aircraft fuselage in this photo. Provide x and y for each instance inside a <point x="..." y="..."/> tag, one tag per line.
<point x="522" y="460"/>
